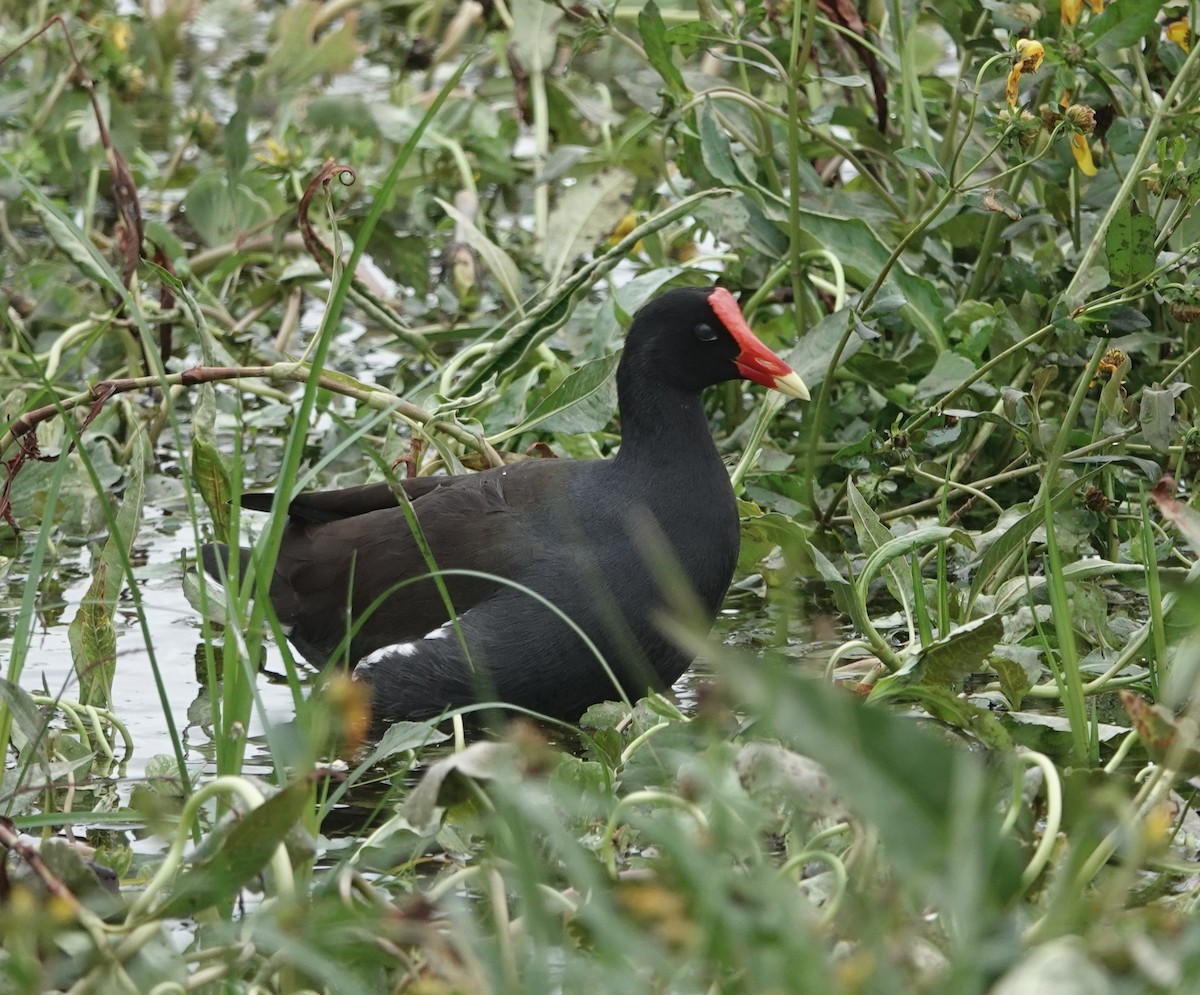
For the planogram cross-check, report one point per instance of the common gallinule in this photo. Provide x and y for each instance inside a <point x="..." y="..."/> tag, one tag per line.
<point x="583" y="534"/>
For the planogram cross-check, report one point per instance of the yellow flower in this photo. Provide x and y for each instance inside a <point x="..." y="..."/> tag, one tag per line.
<point x="1028" y="59"/>
<point x="277" y="155"/>
<point x="623" y="228"/>
<point x="1082" y="152"/>
<point x="120" y="34"/>
<point x="1177" y="31"/>
<point x="1071" y="8"/>
<point x="1083" y="118"/>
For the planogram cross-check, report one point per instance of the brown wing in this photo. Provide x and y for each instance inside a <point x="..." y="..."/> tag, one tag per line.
<point x="354" y="549"/>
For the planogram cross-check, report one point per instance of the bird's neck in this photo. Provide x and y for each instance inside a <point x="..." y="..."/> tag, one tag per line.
<point x="663" y="426"/>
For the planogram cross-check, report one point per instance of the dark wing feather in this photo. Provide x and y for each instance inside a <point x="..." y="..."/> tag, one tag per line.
<point x="346" y="502"/>
<point x="353" y="548"/>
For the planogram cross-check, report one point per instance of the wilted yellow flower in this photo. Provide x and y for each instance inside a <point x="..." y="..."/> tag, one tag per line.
<point x="1110" y="362"/>
<point x="1028" y="59"/>
<point x="1180" y="34"/>
<point x="1082" y="117"/>
<point x="1071" y="8"/>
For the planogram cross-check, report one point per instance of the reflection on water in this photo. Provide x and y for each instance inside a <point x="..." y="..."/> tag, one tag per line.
<point x="174" y="631"/>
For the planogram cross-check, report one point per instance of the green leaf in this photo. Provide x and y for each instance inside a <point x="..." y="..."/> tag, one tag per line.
<point x="1123" y="24"/>
<point x="211" y="477"/>
<point x="653" y="30"/>
<point x="481" y="761"/>
<point x="714" y="147"/>
<point x="863" y="254"/>
<point x="91" y="634"/>
<point x="900" y="580"/>
<point x="1156" y="416"/>
<point x="305" y="48"/>
<point x="584" y="402"/>
<point x="75" y="246"/>
<point x="1017" y="667"/>
<point x="873" y="536"/>
<point x="242" y="855"/>
<point x="1130" y="244"/>
<point x="921" y="794"/>
<point x="93" y="641"/>
<point x="1125" y="321"/>
<point x="918" y="158"/>
<point x="402" y="737"/>
<point x="584" y="214"/>
<point x="220" y="210"/>
<point x="29" y="726"/>
<point x="535" y="33"/>
<point x="946" y="661"/>
<point x="950" y="370"/>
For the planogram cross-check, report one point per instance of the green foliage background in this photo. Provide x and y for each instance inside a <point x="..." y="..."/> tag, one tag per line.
<point x="972" y="511"/>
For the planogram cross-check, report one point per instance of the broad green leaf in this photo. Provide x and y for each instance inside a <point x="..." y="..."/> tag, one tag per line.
<point x="944" y="705"/>
<point x="305" y="48"/>
<point x="93" y="641"/>
<point x="1151" y="470"/>
<point x="948" y="660"/>
<point x="1125" y="321"/>
<point x="653" y="30"/>
<point x="494" y="258"/>
<point x="76" y="247"/>
<point x="863" y="254"/>
<point x="873" y="536"/>
<point x="1018" y="667"/>
<point x="220" y="211"/>
<point x="481" y="761"/>
<point x="242" y="855"/>
<point x="402" y="737"/>
<point x="949" y="371"/>
<point x="29" y="726"/>
<point x="209" y="470"/>
<point x="1123" y="24"/>
<point x="714" y="147"/>
<point x="535" y="33"/>
<point x="1129" y="244"/>
<point x="1156" y="417"/>
<point x="584" y="402"/>
<point x="584" y="214"/>
<point x="91" y="633"/>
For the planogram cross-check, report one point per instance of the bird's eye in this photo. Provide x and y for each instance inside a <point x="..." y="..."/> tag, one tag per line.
<point x="705" y="333"/>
